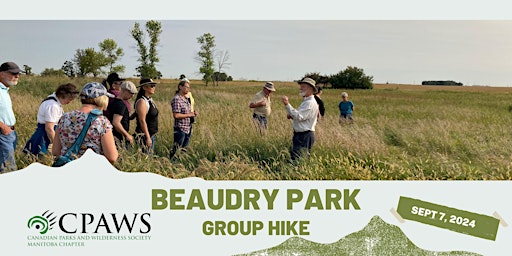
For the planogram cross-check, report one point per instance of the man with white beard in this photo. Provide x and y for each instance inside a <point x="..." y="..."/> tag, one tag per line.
<point x="9" y="75"/>
<point x="304" y="118"/>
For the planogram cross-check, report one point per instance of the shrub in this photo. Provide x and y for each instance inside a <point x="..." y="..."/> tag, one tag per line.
<point x="351" y="78"/>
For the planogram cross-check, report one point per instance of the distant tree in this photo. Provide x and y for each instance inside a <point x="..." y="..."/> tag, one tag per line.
<point x="89" y="62"/>
<point x="148" y="55"/>
<point x="351" y="78"/>
<point x="312" y="75"/>
<point x="222" y="63"/>
<point x="205" y="56"/>
<point x="220" y="76"/>
<point x="230" y="78"/>
<point x="28" y="70"/>
<point x="69" y="68"/>
<point x="319" y="79"/>
<point x="323" y="80"/>
<point x="112" y="53"/>
<point x="53" y="72"/>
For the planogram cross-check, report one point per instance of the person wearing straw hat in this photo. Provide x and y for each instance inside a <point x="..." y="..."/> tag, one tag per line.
<point x="261" y="106"/>
<point x="304" y="118"/>
<point x="9" y="75"/>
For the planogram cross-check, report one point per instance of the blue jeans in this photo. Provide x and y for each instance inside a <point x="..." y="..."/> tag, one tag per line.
<point x="181" y="140"/>
<point x="302" y="141"/>
<point x="140" y="139"/>
<point x="7" y="147"/>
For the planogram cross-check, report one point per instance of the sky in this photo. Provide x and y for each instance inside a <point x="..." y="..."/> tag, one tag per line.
<point x="473" y="48"/>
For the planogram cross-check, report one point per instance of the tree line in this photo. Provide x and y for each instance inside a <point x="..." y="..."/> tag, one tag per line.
<point x="443" y="82"/>
<point x="213" y="62"/>
<point x="105" y="60"/>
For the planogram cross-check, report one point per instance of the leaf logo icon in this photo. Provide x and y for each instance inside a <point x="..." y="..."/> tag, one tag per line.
<point x="42" y="223"/>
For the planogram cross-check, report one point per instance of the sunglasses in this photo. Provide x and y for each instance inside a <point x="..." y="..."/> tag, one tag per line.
<point x="151" y="85"/>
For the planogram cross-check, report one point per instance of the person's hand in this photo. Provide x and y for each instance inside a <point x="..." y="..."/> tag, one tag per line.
<point x="196" y="113"/>
<point x="288" y="116"/>
<point x="285" y="100"/>
<point x="129" y="138"/>
<point x="6" y="130"/>
<point x="149" y="142"/>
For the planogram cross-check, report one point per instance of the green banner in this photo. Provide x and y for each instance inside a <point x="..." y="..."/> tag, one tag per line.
<point x="449" y="218"/>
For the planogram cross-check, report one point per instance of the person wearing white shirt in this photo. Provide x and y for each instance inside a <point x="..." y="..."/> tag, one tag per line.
<point x="304" y="118"/>
<point x="48" y="116"/>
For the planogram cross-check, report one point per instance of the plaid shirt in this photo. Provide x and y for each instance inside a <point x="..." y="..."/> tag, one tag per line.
<point x="181" y="105"/>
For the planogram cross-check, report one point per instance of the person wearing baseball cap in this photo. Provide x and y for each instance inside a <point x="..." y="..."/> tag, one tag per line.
<point x="119" y="114"/>
<point x="9" y="75"/>
<point x="99" y="136"/>
<point x="304" y="118"/>
<point x="114" y="82"/>
<point x="114" y="87"/>
<point x="261" y="106"/>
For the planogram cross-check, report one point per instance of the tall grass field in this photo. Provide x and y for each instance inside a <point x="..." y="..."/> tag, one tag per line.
<point x="401" y="132"/>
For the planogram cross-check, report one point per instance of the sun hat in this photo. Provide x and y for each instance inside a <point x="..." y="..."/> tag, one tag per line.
<point x="129" y="86"/>
<point x="146" y="81"/>
<point x="10" y="67"/>
<point x="270" y="86"/>
<point x="94" y="90"/>
<point x="310" y="82"/>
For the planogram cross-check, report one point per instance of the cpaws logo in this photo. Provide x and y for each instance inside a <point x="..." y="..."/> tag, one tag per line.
<point x="89" y="223"/>
<point x="42" y="223"/>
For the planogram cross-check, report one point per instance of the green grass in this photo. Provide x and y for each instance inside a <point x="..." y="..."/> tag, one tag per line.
<point x="400" y="133"/>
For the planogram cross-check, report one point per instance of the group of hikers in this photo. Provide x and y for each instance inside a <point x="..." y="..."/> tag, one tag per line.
<point x="102" y="122"/>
